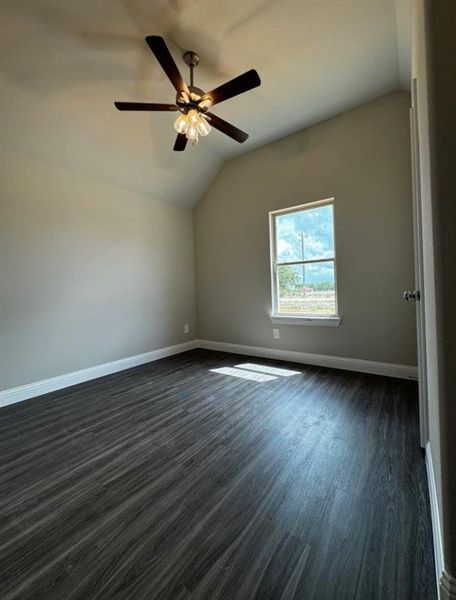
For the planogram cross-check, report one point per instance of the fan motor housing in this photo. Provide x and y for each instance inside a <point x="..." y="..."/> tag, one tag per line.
<point x="186" y="106"/>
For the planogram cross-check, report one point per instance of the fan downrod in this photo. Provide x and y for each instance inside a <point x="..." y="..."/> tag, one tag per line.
<point x="191" y="59"/>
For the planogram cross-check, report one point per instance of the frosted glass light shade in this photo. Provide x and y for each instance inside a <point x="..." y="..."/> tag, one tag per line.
<point x="193" y="117"/>
<point x="192" y="135"/>
<point x="181" y="124"/>
<point x="192" y="125"/>
<point x="203" y="127"/>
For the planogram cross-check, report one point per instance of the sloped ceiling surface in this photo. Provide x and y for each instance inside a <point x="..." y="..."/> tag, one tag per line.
<point x="65" y="62"/>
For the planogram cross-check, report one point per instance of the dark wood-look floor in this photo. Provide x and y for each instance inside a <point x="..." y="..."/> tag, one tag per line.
<point x="170" y="481"/>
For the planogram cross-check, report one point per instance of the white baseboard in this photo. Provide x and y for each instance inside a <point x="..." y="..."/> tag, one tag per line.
<point x="320" y="360"/>
<point x="446" y="584"/>
<point x="38" y="388"/>
<point x="30" y="390"/>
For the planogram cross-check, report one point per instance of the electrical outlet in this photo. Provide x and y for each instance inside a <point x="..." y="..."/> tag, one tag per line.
<point x="276" y="334"/>
<point x="186" y="328"/>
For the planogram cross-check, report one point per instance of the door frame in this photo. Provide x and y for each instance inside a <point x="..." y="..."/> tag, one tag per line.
<point x="419" y="271"/>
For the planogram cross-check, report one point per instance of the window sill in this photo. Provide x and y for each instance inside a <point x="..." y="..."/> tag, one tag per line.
<point x="291" y="320"/>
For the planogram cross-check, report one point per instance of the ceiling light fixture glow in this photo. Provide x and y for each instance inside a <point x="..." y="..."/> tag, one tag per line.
<point x="192" y="117"/>
<point x="192" y="125"/>
<point x="205" y="103"/>
<point x="192" y="135"/>
<point x="203" y="127"/>
<point x="181" y="124"/>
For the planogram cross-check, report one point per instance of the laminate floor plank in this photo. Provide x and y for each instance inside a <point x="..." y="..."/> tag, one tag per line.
<point x="210" y="476"/>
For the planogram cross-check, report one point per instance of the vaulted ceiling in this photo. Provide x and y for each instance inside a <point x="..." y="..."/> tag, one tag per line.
<point x="64" y="63"/>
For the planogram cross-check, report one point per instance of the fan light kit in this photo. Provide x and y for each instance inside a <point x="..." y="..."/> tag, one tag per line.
<point x="194" y="121"/>
<point x="192" y="125"/>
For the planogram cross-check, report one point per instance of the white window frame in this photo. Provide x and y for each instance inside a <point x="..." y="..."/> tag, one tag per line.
<point x="300" y="318"/>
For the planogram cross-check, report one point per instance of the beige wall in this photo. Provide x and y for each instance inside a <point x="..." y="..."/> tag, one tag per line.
<point x="362" y="158"/>
<point x="89" y="273"/>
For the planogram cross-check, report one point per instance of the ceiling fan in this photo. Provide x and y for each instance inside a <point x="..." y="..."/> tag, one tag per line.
<point x="191" y="101"/>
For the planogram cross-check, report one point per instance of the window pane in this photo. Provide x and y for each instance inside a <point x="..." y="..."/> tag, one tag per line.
<point x="305" y="235"/>
<point x="306" y="289"/>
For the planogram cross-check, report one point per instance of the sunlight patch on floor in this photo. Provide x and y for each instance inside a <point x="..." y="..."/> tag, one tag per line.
<point x="243" y="374"/>
<point x="267" y="369"/>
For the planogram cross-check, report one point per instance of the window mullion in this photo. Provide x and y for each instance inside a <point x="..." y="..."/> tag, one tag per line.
<point x="304" y="262"/>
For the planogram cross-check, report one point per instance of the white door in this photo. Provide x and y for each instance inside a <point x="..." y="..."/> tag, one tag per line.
<point x="417" y="295"/>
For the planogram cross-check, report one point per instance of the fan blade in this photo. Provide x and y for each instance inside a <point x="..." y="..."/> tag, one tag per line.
<point x="144" y="106"/>
<point x="226" y="128"/>
<point x="238" y="85"/>
<point x="180" y="143"/>
<point x="163" y="55"/>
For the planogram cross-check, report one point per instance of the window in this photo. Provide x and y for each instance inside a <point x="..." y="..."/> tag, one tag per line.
<point x="303" y="262"/>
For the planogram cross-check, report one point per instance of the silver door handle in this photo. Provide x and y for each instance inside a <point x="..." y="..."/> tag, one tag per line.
<point x="415" y="295"/>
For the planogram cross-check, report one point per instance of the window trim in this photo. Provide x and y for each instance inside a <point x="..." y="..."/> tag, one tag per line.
<point x="300" y="318"/>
